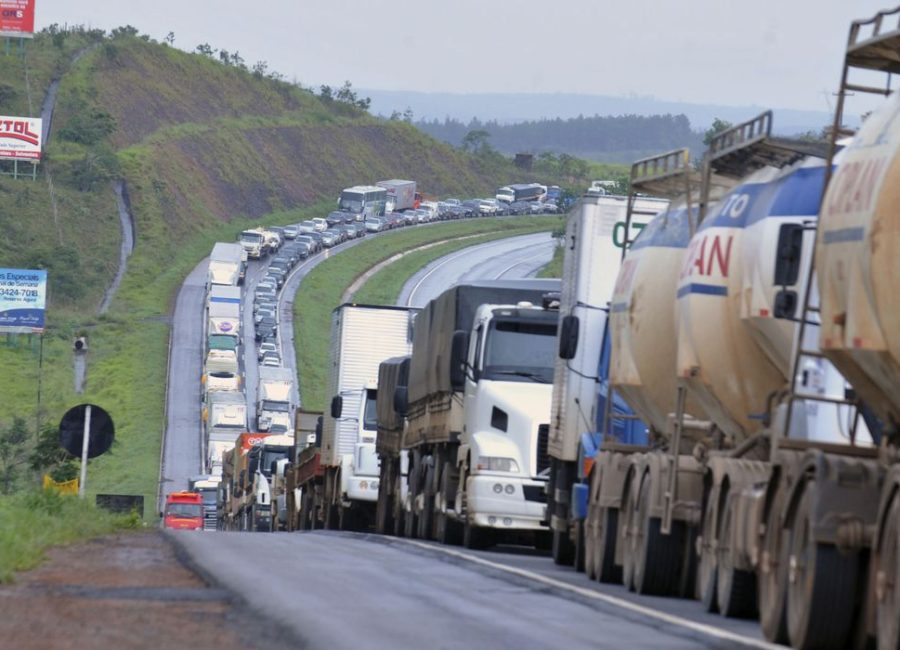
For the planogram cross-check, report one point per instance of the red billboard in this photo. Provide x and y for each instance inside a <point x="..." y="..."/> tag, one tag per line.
<point x="20" y="137"/>
<point x="17" y="18"/>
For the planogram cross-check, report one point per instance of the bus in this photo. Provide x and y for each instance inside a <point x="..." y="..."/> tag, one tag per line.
<point x="363" y="201"/>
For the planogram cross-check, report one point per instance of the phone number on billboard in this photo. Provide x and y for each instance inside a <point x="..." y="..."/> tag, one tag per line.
<point x="25" y="293"/>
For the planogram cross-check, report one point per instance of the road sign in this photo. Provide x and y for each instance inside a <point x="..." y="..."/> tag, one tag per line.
<point x="72" y="427"/>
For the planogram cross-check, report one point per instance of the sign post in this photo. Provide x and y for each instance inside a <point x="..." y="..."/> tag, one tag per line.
<point x="85" y="442"/>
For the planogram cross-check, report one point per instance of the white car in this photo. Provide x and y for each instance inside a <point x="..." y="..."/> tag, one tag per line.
<point x="265" y="347"/>
<point x="321" y="224"/>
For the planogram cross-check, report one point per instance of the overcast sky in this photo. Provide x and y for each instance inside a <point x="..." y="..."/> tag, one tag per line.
<point x="764" y="52"/>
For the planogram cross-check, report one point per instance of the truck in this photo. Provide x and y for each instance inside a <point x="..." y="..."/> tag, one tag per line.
<point x="307" y="440"/>
<point x="595" y="241"/>
<point x="207" y="486"/>
<point x="220" y="372"/>
<point x="183" y="511"/>
<point x="223" y="319"/>
<point x="234" y="480"/>
<point x="251" y="505"/>
<point x="401" y="195"/>
<point x="521" y="192"/>
<point x="477" y="410"/>
<point x="224" y="418"/>
<point x="275" y="399"/>
<point x="226" y="296"/>
<point x="227" y="265"/>
<point x="340" y="487"/>
<point x="253" y="242"/>
<point x="393" y="382"/>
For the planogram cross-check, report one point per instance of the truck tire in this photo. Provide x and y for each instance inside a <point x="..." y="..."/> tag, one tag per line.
<point x="397" y="505"/>
<point x="772" y="574"/>
<point x="707" y="567"/>
<point x="887" y="579"/>
<point x="627" y="531"/>
<point x="821" y="585"/>
<point x="658" y="557"/>
<point x="562" y="549"/>
<point x="383" y="509"/>
<point x="476" y="538"/>
<point x="600" y="540"/>
<point x="736" y="588"/>
<point x="447" y="530"/>
<point x="426" y="517"/>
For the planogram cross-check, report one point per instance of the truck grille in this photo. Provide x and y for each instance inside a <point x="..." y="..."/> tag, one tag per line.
<point x="543" y="460"/>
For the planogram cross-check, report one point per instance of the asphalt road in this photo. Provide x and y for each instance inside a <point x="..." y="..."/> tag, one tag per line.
<point x="343" y="590"/>
<point x="516" y="257"/>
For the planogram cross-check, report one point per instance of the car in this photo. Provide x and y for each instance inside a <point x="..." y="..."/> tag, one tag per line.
<point x="277" y="275"/>
<point x="335" y="218"/>
<point x="281" y="263"/>
<point x="271" y="358"/>
<point x="291" y="231"/>
<point x="350" y="230"/>
<point x="339" y="233"/>
<point x="266" y="346"/>
<point x="299" y="250"/>
<point x="263" y="314"/>
<point x="267" y="327"/>
<point x="263" y="305"/>
<point x="487" y="207"/>
<point x="373" y="224"/>
<point x="266" y="295"/>
<point x="330" y="239"/>
<point x="306" y="227"/>
<point x="312" y="245"/>
<point x="536" y="207"/>
<point x="360" y="228"/>
<point x="317" y="237"/>
<point x="453" y="202"/>
<point x="519" y="207"/>
<point x="473" y="207"/>
<point x="321" y="224"/>
<point x="550" y="207"/>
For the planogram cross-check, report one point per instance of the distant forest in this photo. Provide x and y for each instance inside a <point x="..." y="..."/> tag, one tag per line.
<point x="622" y="138"/>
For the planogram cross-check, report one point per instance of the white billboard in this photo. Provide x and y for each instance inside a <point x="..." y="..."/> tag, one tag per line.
<point x="20" y="137"/>
<point x="23" y="298"/>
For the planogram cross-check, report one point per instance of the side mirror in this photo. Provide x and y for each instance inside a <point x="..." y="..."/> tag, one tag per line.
<point x="337" y="406"/>
<point x="401" y="400"/>
<point x="568" y="337"/>
<point x="785" y="304"/>
<point x="458" y="351"/>
<point x="318" y="436"/>
<point x="787" y="260"/>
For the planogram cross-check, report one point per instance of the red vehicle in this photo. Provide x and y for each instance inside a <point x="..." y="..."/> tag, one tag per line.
<point x="184" y="510"/>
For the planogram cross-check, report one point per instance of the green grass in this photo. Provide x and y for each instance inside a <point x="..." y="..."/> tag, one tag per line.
<point x="31" y="522"/>
<point x="321" y="290"/>
<point x="554" y="267"/>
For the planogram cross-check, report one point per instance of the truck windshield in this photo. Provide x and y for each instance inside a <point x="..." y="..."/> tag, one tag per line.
<point x="520" y="350"/>
<point x="281" y="407"/>
<point x="269" y="456"/>
<point x="184" y="510"/>
<point x="251" y="237"/>
<point x="370" y="419"/>
<point x="351" y="202"/>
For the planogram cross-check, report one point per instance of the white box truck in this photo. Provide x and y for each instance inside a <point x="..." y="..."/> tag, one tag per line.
<point x="342" y="487"/>
<point x="401" y="195"/>
<point x="274" y="400"/>
<point x="227" y="264"/>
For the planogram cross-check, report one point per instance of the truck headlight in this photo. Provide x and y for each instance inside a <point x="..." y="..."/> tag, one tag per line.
<point x="497" y="464"/>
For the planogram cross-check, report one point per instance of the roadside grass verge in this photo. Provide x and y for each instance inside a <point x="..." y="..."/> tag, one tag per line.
<point x="554" y="267"/>
<point x="321" y="290"/>
<point x="33" y="521"/>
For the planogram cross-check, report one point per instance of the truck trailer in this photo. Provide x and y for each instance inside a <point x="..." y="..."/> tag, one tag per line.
<point x="342" y="488"/>
<point x="274" y="399"/>
<point x="227" y="265"/>
<point x="401" y="195"/>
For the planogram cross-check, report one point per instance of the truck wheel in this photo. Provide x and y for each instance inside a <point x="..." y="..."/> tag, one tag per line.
<point x="821" y="583"/>
<point x="397" y="506"/>
<point x="657" y="566"/>
<point x="562" y="549"/>
<point x="303" y="517"/>
<point x="476" y="538"/>
<point x="627" y="532"/>
<point x="603" y="545"/>
<point x="447" y="530"/>
<point x="772" y="577"/>
<point x="348" y="519"/>
<point x="591" y="540"/>
<point x="707" y="575"/>
<point x="886" y="579"/>
<point x="426" y="517"/>
<point x="736" y="589"/>
<point x="383" y="510"/>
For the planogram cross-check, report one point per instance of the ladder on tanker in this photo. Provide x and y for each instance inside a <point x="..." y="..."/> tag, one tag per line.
<point x="873" y="46"/>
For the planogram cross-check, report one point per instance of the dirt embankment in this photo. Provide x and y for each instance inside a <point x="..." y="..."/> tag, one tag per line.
<point x="128" y="592"/>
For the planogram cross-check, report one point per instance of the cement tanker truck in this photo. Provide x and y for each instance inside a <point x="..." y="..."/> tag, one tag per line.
<point x="772" y="483"/>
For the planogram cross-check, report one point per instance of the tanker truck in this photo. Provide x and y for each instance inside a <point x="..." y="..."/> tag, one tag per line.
<point x="478" y="410"/>
<point x="339" y="479"/>
<point x="595" y="238"/>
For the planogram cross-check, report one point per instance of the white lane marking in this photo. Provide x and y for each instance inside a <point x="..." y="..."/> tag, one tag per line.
<point x="702" y="628"/>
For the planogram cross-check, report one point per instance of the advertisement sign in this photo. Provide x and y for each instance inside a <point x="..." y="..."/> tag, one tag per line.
<point x="20" y="137"/>
<point x="17" y="18"/>
<point x="23" y="298"/>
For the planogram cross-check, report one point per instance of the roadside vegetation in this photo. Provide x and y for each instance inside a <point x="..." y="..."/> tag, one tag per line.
<point x="322" y="289"/>
<point x="33" y="521"/>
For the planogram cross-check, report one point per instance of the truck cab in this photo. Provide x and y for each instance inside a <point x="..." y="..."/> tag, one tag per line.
<point x="507" y="397"/>
<point x="253" y="243"/>
<point x="360" y="470"/>
<point x="184" y="511"/>
<point x="262" y="462"/>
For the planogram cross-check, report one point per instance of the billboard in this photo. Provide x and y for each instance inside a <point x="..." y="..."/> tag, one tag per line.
<point x="20" y="137"/>
<point x="17" y="18"/>
<point x="23" y="298"/>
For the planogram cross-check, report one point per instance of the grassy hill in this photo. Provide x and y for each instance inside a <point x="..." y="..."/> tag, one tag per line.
<point x="205" y="149"/>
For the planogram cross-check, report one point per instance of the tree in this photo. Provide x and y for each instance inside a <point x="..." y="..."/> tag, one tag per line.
<point x="48" y="457"/>
<point x="12" y="452"/>
<point x="206" y="50"/>
<point x="170" y="38"/>
<point x="476" y="141"/>
<point x="717" y="127"/>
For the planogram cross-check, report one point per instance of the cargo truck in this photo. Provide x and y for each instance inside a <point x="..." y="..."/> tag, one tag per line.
<point x="235" y="480"/>
<point x="274" y="399"/>
<point x="341" y="486"/>
<point x="183" y="511"/>
<point x="220" y="373"/>
<point x="393" y="383"/>
<point x="478" y="411"/>
<point x="253" y="242"/>
<point x="207" y="486"/>
<point x="401" y="195"/>
<point x="595" y="240"/>
<point x="521" y="192"/>
<point x="227" y="265"/>
<point x="304" y="466"/>
<point x="224" y="417"/>
<point x="226" y="296"/>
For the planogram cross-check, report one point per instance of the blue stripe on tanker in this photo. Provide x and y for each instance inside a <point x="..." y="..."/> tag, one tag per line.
<point x="668" y="229"/>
